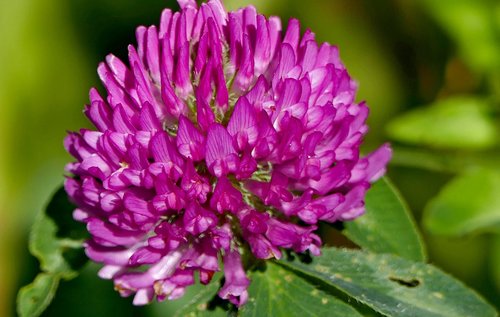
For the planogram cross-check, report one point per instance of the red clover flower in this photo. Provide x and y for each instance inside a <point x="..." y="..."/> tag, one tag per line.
<point x="223" y="137"/>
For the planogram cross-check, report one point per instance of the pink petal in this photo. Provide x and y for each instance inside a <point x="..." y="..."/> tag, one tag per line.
<point x="236" y="283"/>
<point x="243" y="124"/>
<point x="190" y="142"/>
<point x="221" y="157"/>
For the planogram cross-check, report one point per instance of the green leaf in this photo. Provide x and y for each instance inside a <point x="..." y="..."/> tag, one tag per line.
<point x="278" y="292"/>
<point x="56" y="242"/>
<point x="56" y="253"/>
<point x="34" y="298"/>
<point x="387" y="226"/>
<point x="48" y="249"/>
<point x="447" y="162"/>
<point x="199" y="304"/>
<point x="454" y="123"/>
<point x="469" y="203"/>
<point x="394" y="286"/>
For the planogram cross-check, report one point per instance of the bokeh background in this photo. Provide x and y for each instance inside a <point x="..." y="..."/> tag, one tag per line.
<point x="430" y="71"/>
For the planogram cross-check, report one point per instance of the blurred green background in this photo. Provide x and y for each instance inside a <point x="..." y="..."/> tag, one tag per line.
<point x="430" y="71"/>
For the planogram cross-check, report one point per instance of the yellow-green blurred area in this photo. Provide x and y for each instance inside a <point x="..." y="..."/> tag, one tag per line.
<point x="430" y="71"/>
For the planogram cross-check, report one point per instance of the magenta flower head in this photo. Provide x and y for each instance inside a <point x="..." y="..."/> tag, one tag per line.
<point x="224" y="139"/>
